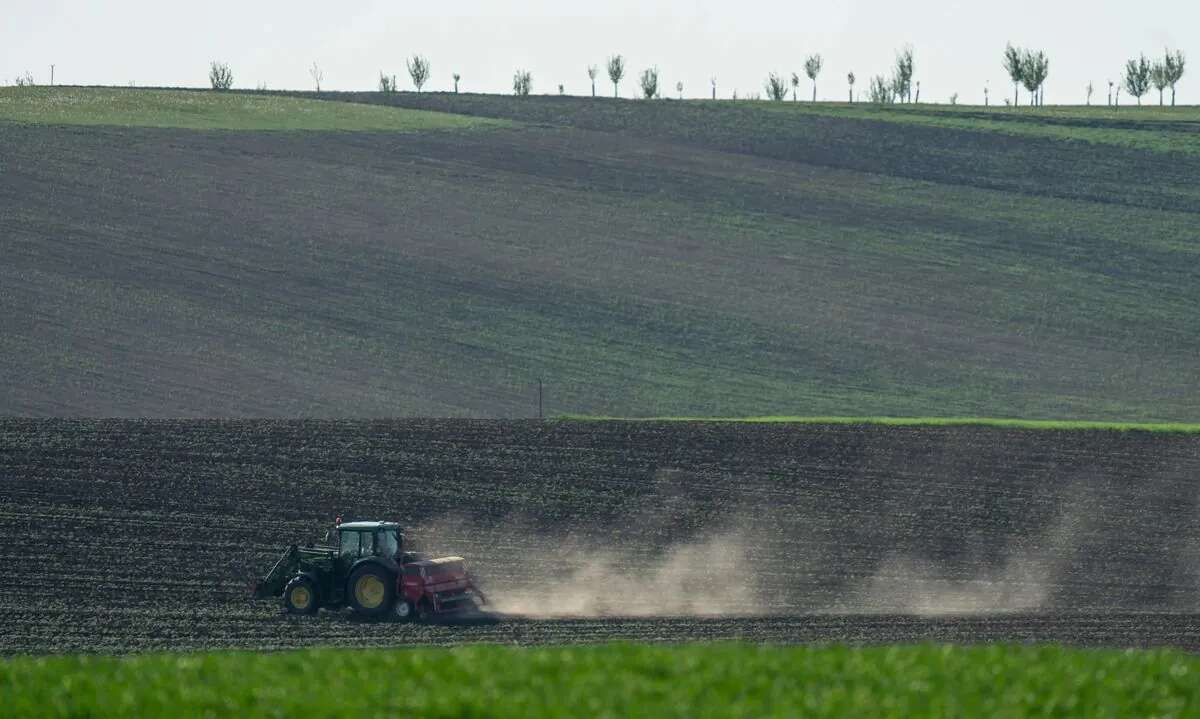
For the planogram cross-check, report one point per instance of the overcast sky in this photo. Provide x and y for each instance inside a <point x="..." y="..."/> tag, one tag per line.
<point x="958" y="44"/>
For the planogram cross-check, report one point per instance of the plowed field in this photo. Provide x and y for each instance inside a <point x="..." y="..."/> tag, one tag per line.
<point x="131" y="535"/>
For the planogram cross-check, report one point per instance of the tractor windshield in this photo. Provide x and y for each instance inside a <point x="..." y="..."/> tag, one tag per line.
<point x="387" y="543"/>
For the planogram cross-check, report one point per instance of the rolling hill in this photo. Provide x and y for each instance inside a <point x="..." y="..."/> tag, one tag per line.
<point x="264" y="255"/>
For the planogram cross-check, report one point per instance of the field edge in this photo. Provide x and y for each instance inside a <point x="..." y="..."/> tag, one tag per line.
<point x="995" y="422"/>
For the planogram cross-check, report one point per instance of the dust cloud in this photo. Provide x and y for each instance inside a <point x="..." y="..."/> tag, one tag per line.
<point x="703" y="578"/>
<point x="1024" y="581"/>
<point x="535" y="573"/>
<point x="695" y="549"/>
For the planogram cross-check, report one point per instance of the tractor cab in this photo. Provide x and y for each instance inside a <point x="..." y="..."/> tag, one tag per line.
<point x="358" y="540"/>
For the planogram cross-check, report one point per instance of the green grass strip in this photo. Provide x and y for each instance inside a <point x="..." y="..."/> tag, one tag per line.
<point x="209" y="110"/>
<point x="715" y="680"/>
<point x="919" y="422"/>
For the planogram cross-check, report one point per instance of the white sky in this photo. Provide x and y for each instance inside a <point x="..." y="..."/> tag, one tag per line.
<point x="958" y="44"/>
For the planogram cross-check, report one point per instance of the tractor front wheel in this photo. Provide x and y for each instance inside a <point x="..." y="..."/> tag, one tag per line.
<point x="372" y="591"/>
<point x="300" y="596"/>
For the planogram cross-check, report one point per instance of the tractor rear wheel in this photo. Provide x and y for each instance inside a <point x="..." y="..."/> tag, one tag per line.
<point x="372" y="590"/>
<point x="300" y="596"/>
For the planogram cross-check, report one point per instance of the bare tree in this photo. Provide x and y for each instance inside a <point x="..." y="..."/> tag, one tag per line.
<point x="418" y="70"/>
<point x="1159" y="79"/>
<point x="850" y="79"/>
<point x="713" y="81"/>
<point x="522" y="83"/>
<point x="954" y="99"/>
<point x="795" y="86"/>
<point x="316" y="74"/>
<point x="776" y="87"/>
<point x="616" y="71"/>
<point x="1175" y="62"/>
<point x="905" y="67"/>
<point x="456" y="77"/>
<point x="1137" y="77"/>
<point x="679" y="89"/>
<point x="1014" y="65"/>
<point x="386" y="83"/>
<point x="592" y="70"/>
<point x="219" y="76"/>
<point x="812" y="68"/>
<point x="1090" y="90"/>
<point x="649" y="83"/>
<point x="1110" y="92"/>
<point x="26" y="80"/>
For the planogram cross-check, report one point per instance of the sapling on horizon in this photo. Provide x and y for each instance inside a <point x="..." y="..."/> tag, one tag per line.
<point x="1175" y="63"/>
<point x="418" y="70"/>
<point x="522" y="83"/>
<point x="1137" y="78"/>
<point x="219" y="76"/>
<point x="649" y="83"/>
<point x="812" y="68"/>
<point x="616" y="72"/>
<point x="776" y="87"/>
<point x="317" y="74"/>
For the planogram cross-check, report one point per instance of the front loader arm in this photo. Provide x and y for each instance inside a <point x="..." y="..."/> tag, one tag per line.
<point x="272" y="584"/>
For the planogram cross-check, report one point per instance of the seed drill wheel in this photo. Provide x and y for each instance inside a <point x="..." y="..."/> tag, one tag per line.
<point x="300" y="596"/>
<point x="404" y="610"/>
<point x="372" y="591"/>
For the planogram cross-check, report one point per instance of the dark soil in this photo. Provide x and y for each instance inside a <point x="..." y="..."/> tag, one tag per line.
<point x="136" y="535"/>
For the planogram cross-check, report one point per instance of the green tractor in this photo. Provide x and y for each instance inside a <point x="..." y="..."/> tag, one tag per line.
<point x="363" y="565"/>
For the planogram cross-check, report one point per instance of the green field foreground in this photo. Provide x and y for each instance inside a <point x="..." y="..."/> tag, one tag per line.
<point x="725" y="680"/>
<point x="121" y="107"/>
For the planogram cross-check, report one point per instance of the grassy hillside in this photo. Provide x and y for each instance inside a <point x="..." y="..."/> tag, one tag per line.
<point x="720" y="680"/>
<point x="664" y="258"/>
<point x="210" y="111"/>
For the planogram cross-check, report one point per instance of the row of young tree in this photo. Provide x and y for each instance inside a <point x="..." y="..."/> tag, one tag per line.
<point x="1026" y="68"/>
<point x="1141" y="74"/>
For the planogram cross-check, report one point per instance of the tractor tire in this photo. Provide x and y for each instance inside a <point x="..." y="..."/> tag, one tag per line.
<point x="372" y="591"/>
<point x="404" y="611"/>
<point x="300" y="596"/>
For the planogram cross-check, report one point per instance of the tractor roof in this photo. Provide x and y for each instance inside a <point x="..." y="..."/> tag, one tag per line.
<point x="361" y="526"/>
